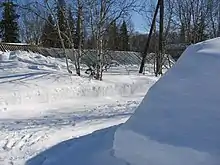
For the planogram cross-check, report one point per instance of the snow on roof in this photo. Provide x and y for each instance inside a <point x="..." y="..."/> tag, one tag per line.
<point x="178" y="121"/>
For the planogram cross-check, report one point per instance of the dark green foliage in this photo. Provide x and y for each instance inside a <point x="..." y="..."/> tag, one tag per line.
<point x="79" y="32"/>
<point x="62" y="23"/>
<point x="182" y="34"/>
<point x="48" y="38"/>
<point x="61" y="10"/>
<point x="71" y="25"/>
<point x="113" y="38"/>
<point x="90" y="43"/>
<point x="124" y="37"/>
<point x="9" y="25"/>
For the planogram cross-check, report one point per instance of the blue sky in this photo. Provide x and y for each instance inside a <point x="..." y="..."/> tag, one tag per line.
<point x="139" y="23"/>
<point x="137" y="20"/>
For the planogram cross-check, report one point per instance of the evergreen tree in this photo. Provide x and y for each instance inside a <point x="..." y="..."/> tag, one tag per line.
<point x="61" y="15"/>
<point x="124" y="38"/>
<point x="113" y="43"/>
<point x="62" y="23"/>
<point x="9" y="25"/>
<point x="90" y="42"/>
<point x="71" y="23"/>
<point x="47" y="38"/>
<point x="79" y="29"/>
<point x="182" y="34"/>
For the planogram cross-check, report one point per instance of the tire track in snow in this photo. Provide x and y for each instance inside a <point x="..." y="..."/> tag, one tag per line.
<point x="15" y="142"/>
<point x="20" y="139"/>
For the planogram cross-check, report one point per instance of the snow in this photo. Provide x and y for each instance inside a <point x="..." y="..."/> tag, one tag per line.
<point x="178" y="121"/>
<point x="41" y="105"/>
<point x="72" y="120"/>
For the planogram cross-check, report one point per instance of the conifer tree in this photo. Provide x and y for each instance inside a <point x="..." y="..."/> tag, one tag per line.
<point x="71" y="25"/>
<point x="62" y="23"/>
<point x="113" y="39"/>
<point x="9" y="25"/>
<point x="47" y="38"/>
<point x="124" y="37"/>
<point x="79" y="36"/>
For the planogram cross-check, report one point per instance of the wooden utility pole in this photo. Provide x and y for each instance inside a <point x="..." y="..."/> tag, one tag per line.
<point x="160" y="5"/>
<point x="159" y="57"/>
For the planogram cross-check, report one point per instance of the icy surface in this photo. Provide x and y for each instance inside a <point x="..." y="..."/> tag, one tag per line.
<point x="178" y="121"/>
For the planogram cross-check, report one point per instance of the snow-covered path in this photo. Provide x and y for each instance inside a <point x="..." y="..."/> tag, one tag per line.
<point x="23" y="138"/>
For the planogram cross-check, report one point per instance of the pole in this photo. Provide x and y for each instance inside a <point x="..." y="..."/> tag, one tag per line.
<point x="149" y="38"/>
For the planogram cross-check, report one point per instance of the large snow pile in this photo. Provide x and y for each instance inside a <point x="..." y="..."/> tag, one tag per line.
<point x="178" y="121"/>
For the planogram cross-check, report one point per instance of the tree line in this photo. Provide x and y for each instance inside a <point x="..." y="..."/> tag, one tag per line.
<point x="186" y="21"/>
<point x="105" y="25"/>
<point x="26" y="26"/>
<point x="179" y="23"/>
<point x="78" y="24"/>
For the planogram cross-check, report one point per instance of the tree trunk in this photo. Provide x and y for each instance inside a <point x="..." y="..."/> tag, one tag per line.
<point x="80" y="40"/>
<point x="98" y="56"/>
<point x="101" y="58"/>
<point x="64" y="49"/>
<point x="61" y="40"/>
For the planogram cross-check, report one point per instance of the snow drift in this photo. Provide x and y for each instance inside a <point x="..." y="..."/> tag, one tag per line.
<point x="178" y="121"/>
<point x="27" y="78"/>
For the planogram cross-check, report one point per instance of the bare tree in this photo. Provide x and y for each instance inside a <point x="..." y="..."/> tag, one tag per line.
<point x="32" y="25"/>
<point x="31" y="30"/>
<point x="60" y="33"/>
<point x="80" y="36"/>
<point x="193" y="18"/>
<point x="214" y="18"/>
<point x="185" y="21"/>
<point x="49" y="8"/>
<point x="101" y="14"/>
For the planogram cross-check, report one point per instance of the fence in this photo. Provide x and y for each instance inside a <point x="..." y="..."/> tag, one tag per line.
<point x="89" y="56"/>
<point x="175" y="50"/>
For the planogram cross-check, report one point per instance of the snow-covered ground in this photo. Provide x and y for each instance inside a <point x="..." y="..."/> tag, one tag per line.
<point x="177" y="122"/>
<point x="41" y="105"/>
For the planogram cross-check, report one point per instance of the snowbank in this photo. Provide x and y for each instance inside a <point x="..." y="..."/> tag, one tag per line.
<point x="178" y="121"/>
<point x="30" y="78"/>
<point x="4" y="56"/>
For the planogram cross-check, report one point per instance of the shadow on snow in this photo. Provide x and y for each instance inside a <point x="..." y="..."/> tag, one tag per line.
<point x="18" y="77"/>
<point x="80" y="151"/>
